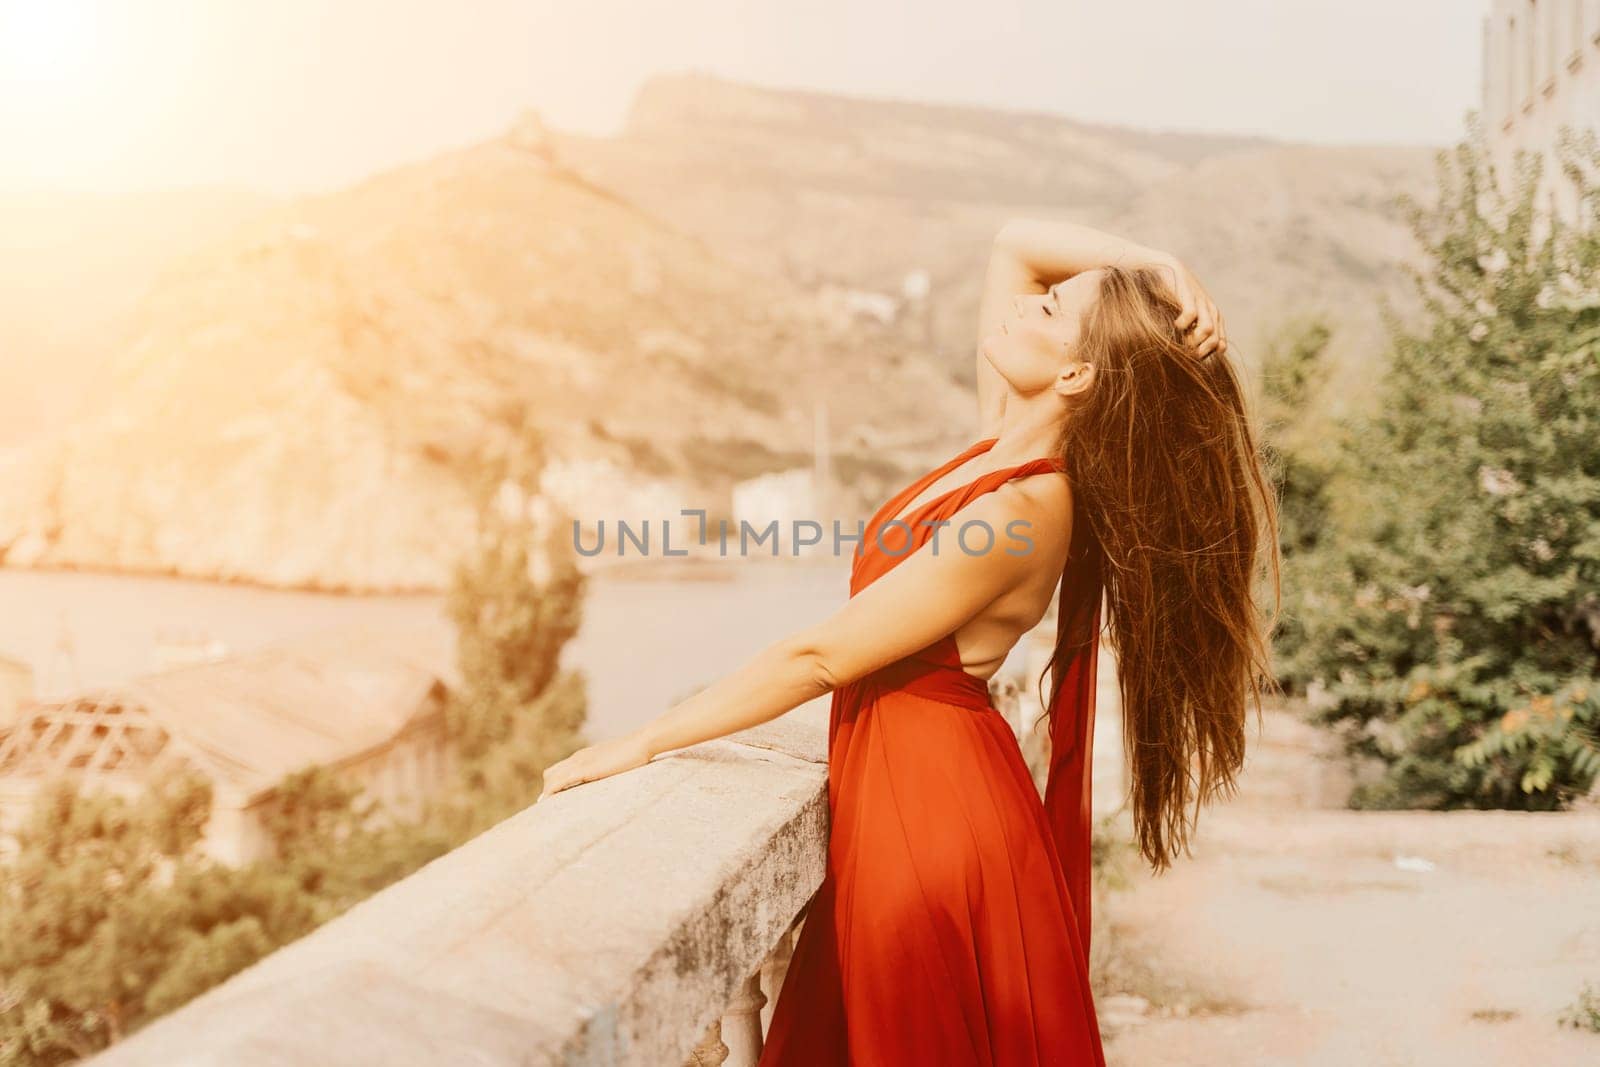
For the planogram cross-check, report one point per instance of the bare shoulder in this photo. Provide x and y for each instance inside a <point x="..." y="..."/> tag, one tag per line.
<point x="1042" y="503"/>
<point x="1046" y="497"/>
<point x="1027" y="515"/>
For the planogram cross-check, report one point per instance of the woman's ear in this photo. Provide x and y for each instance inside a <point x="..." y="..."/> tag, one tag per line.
<point x="1074" y="379"/>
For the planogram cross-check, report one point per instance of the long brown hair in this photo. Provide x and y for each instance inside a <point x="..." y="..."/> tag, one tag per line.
<point x="1174" y="519"/>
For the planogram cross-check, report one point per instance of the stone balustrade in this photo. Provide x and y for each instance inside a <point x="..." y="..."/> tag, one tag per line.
<point x="645" y="918"/>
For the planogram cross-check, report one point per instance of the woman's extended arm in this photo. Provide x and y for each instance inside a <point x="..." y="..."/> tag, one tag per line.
<point x="932" y="593"/>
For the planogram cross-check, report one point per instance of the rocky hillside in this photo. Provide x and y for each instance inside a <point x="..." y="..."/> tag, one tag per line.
<point x="301" y="404"/>
<point x="835" y="190"/>
<point x="72" y="266"/>
<point x="301" y="393"/>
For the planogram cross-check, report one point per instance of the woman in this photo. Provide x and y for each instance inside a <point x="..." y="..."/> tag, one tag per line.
<point x="1115" y="457"/>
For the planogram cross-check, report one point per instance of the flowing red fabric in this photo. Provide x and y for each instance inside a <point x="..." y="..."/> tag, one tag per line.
<point x="952" y="924"/>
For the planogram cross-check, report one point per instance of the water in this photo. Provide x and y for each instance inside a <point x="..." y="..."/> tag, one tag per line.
<point x="646" y="642"/>
<point x="648" y="636"/>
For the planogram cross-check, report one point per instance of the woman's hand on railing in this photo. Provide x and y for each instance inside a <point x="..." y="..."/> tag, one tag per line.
<point x="594" y="762"/>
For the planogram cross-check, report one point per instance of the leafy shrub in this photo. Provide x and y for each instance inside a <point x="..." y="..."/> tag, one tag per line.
<point x="111" y="913"/>
<point x="1450" y="599"/>
<point x="1584" y="1013"/>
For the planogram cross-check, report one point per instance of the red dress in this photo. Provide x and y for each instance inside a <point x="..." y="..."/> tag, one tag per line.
<point x="952" y="925"/>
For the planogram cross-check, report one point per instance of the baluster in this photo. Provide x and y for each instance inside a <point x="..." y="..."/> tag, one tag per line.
<point x="741" y="1024"/>
<point x="736" y="1039"/>
<point x="773" y="972"/>
<point x="710" y="1052"/>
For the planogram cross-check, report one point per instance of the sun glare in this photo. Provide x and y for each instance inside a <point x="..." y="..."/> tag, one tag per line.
<point x="44" y="41"/>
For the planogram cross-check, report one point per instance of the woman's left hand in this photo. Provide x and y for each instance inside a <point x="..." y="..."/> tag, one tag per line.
<point x="1199" y="321"/>
<point x="595" y="762"/>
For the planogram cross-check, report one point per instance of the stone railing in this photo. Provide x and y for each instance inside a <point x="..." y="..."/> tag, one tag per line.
<point x="646" y="918"/>
<point x="641" y="919"/>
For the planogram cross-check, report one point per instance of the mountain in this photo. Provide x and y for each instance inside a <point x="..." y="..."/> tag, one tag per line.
<point x="301" y="395"/>
<point x="1291" y="230"/>
<point x="827" y="189"/>
<point x="303" y="403"/>
<point x="72" y="266"/>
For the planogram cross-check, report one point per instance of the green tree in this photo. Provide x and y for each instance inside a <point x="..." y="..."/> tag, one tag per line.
<point x="90" y="920"/>
<point x="516" y="601"/>
<point x="111" y="913"/>
<point x="1294" y="372"/>
<point x="1302" y="456"/>
<point x="1453" y="604"/>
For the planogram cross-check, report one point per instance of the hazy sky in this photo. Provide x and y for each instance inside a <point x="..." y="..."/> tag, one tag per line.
<point x="298" y="95"/>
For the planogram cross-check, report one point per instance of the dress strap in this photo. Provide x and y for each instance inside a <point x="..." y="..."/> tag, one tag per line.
<point x="900" y="535"/>
<point x="894" y="504"/>
<point x="1042" y="465"/>
<point x="1039" y="465"/>
<point x="994" y="479"/>
<point x="976" y="487"/>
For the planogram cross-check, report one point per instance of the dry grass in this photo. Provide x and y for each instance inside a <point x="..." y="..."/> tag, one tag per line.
<point x="1122" y="962"/>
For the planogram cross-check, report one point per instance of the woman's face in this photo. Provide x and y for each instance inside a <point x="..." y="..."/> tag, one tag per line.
<point x="1039" y="338"/>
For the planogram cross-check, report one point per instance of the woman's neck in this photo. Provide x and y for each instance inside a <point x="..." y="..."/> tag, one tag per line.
<point x="1027" y="430"/>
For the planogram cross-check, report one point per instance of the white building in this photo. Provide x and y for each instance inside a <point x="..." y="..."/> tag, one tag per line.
<point x="1541" y="71"/>
<point x="782" y="497"/>
<point x="792" y="497"/>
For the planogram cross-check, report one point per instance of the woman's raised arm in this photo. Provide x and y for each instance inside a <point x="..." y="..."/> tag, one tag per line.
<point x="1051" y="250"/>
<point x="1029" y="255"/>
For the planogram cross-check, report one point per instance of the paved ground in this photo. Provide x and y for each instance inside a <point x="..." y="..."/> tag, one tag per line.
<point x="1304" y="934"/>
